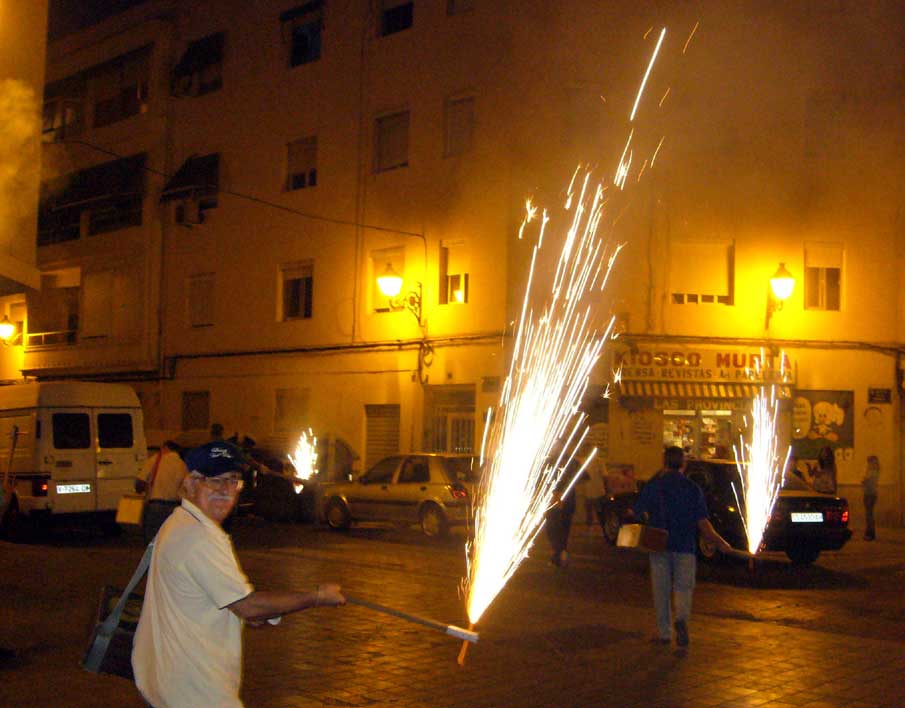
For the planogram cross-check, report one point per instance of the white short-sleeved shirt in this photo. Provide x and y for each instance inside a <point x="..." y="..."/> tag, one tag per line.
<point x="168" y="479"/>
<point x="188" y="645"/>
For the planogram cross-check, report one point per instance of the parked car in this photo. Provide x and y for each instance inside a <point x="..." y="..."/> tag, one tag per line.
<point x="804" y="521"/>
<point x="433" y="490"/>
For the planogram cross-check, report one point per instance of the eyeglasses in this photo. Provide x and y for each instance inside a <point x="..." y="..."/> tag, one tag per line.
<point x="224" y="483"/>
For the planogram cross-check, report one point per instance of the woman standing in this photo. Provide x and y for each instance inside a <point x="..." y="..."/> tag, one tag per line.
<point x="870" y="485"/>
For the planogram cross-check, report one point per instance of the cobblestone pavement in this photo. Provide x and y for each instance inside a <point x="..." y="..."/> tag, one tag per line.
<point x="573" y="637"/>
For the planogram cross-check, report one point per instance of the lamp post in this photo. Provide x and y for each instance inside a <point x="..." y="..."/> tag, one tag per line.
<point x="782" y="283"/>
<point x="390" y="284"/>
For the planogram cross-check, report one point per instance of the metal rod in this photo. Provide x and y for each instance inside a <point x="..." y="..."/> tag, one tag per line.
<point x="450" y="629"/>
<point x="460" y="660"/>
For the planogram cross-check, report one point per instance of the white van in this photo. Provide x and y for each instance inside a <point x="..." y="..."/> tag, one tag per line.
<point x="70" y="448"/>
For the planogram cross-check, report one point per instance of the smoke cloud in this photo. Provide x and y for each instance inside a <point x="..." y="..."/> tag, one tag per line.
<point x="20" y="161"/>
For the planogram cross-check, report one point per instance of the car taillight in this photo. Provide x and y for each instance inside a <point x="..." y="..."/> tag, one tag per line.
<point x="777" y="515"/>
<point x="845" y="516"/>
<point x="458" y="491"/>
<point x="39" y="487"/>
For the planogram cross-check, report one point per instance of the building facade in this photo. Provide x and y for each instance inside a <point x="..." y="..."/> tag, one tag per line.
<point x="224" y="182"/>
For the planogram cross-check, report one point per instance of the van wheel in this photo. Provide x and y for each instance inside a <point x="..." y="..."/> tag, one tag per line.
<point x="15" y="526"/>
<point x="433" y="521"/>
<point x="338" y="517"/>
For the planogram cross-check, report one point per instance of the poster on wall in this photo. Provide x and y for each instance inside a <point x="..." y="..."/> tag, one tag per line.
<point x="823" y="419"/>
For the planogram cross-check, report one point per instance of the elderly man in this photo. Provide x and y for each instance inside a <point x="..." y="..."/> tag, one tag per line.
<point x="188" y="645"/>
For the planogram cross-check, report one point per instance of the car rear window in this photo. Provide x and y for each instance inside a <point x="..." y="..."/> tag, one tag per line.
<point x="462" y="469"/>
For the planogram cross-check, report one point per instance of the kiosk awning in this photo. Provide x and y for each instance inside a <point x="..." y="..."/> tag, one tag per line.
<point x="695" y="389"/>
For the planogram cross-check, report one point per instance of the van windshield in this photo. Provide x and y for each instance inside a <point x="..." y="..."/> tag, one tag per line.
<point x="71" y="431"/>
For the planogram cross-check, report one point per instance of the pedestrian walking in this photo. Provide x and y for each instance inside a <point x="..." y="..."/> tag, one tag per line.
<point x="559" y="517"/>
<point x="188" y="645"/>
<point x="161" y="483"/>
<point x="672" y="502"/>
<point x="870" y="484"/>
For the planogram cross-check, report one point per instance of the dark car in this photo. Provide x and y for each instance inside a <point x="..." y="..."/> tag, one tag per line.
<point x="804" y="521"/>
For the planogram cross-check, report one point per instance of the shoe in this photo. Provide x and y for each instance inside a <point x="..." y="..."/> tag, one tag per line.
<point x="681" y="633"/>
<point x="660" y="640"/>
<point x="869" y="537"/>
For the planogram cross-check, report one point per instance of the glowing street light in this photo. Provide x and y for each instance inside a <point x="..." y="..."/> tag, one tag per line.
<point x="7" y="330"/>
<point x="390" y="282"/>
<point x="781" y="286"/>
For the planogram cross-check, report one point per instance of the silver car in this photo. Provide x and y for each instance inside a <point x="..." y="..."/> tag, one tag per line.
<point x="433" y="490"/>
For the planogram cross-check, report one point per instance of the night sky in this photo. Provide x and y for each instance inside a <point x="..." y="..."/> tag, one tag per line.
<point x="67" y="16"/>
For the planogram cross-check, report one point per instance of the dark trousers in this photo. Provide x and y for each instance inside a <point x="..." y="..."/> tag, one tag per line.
<point x="156" y="512"/>
<point x="559" y="524"/>
<point x="870" y="501"/>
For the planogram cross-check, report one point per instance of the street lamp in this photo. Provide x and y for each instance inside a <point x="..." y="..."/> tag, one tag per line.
<point x="7" y="330"/>
<point x="390" y="284"/>
<point x="782" y="283"/>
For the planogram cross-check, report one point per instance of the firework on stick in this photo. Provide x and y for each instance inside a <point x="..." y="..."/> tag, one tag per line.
<point x="761" y="465"/>
<point x="304" y="459"/>
<point x="538" y="427"/>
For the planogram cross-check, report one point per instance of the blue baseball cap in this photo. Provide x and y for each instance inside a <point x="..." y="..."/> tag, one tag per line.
<point x="215" y="458"/>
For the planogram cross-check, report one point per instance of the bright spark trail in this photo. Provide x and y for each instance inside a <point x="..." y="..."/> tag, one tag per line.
<point x="538" y="427"/>
<point x="304" y="459"/>
<point x="761" y="466"/>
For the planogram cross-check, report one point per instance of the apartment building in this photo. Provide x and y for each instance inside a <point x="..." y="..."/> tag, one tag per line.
<point x="226" y="182"/>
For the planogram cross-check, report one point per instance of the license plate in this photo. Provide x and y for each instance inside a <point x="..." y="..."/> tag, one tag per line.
<point x="73" y="488"/>
<point x="807" y="517"/>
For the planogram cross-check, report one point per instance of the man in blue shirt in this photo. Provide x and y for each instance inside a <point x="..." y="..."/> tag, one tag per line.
<point x="672" y="502"/>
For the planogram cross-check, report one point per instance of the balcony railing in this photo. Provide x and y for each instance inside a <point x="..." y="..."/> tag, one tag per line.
<point x="51" y="339"/>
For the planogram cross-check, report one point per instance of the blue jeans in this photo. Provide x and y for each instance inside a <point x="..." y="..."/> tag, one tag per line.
<point x="672" y="574"/>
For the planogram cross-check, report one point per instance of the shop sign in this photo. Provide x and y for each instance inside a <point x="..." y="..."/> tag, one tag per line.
<point x="879" y="395"/>
<point x="698" y="404"/>
<point x="704" y="365"/>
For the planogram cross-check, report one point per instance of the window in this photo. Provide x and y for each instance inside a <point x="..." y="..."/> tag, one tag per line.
<point x="701" y="273"/>
<point x="302" y="28"/>
<point x="114" y="430"/>
<point x="823" y="276"/>
<point x="200" y="300"/>
<point x="457" y="7"/>
<point x="200" y="70"/>
<point x="301" y="162"/>
<point x="395" y="16"/>
<point x="382" y="472"/>
<point x="194" y="187"/>
<point x="119" y="88"/>
<point x="62" y="118"/>
<point x="291" y="410"/>
<point x="391" y="144"/>
<point x="382" y="261"/>
<point x="459" y="125"/>
<point x="453" y="274"/>
<point x="297" y="287"/>
<point x="53" y="311"/>
<point x="449" y="418"/>
<point x="415" y="469"/>
<point x="64" y="107"/>
<point x="71" y="431"/>
<point x="196" y="410"/>
<point x="97" y="200"/>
